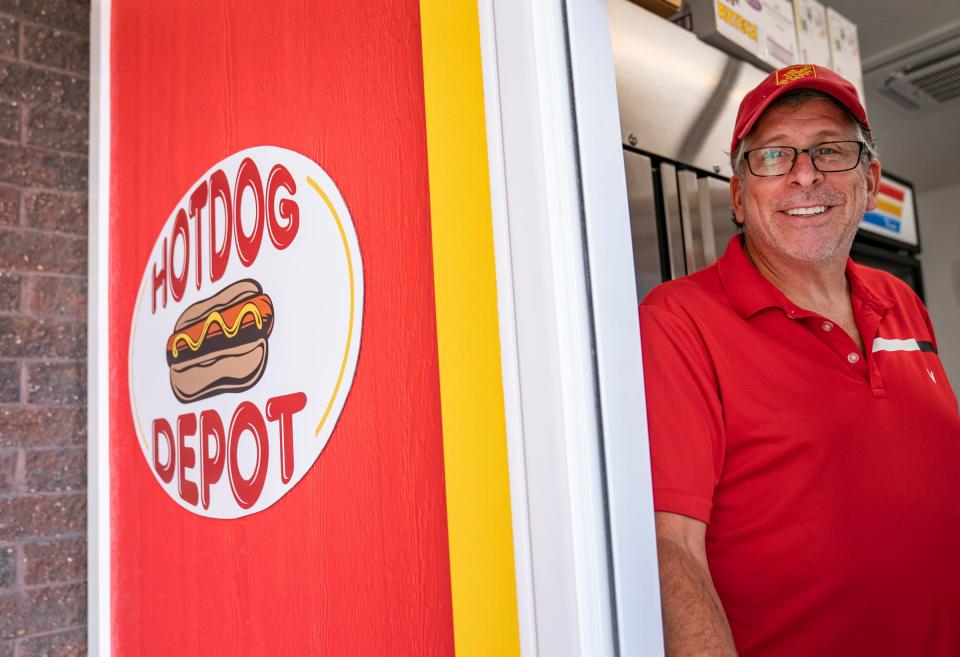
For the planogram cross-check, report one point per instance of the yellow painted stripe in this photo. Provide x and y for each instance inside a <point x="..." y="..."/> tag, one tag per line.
<point x="471" y="388"/>
<point x="891" y="208"/>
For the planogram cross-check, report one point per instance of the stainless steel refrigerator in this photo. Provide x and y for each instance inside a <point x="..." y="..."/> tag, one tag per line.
<point x="678" y="99"/>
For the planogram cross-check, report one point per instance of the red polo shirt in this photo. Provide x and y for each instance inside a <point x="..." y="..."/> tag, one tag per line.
<point x="829" y="478"/>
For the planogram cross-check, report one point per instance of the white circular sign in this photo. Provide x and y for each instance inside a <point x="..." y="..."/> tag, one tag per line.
<point x="245" y="332"/>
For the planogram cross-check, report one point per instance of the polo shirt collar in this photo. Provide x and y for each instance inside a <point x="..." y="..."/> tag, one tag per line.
<point x="749" y="292"/>
<point x="859" y="290"/>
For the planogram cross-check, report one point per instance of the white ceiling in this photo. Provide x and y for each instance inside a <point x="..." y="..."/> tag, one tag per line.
<point x="923" y="149"/>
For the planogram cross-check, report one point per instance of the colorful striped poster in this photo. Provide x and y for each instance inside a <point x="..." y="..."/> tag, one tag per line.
<point x="894" y="216"/>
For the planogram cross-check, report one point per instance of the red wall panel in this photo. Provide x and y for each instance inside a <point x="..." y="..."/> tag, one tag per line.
<point x="353" y="560"/>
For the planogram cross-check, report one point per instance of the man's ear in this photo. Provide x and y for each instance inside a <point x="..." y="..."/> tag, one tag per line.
<point x="873" y="184"/>
<point x="736" y="198"/>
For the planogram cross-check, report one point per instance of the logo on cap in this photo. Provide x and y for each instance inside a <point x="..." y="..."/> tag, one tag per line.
<point x="792" y="73"/>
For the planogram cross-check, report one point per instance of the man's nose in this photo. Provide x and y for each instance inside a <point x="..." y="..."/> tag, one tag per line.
<point x="803" y="172"/>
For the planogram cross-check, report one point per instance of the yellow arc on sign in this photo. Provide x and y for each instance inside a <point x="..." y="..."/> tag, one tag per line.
<point x="346" y="251"/>
<point x="216" y="318"/>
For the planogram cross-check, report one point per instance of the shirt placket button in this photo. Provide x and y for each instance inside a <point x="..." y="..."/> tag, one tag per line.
<point x="827" y="326"/>
<point x="853" y="358"/>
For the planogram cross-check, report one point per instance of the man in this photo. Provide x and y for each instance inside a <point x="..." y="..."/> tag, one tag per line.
<point x="804" y="437"/>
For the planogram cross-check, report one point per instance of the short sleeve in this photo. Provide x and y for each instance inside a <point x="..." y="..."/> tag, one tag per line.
<point x="926" y="319"/>
<point x="684" y="414"/>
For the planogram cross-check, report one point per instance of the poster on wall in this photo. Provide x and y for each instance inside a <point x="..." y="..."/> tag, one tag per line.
<point x="281" y="436"/>
<point x="760" y="31"/>
<point x="895" y="216"/>
<point x="779" y="33"/>
<point x="813" y="43"/>
<point x="845" y="49"/>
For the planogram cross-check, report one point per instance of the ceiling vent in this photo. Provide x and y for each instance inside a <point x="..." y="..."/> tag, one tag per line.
<point x="923" y="76"/>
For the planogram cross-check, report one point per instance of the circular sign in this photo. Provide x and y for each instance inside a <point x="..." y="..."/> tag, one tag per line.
<point x="245" y="332"/>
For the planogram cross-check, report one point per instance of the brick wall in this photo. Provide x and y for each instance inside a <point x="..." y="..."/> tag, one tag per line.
<point x="44" y="85"/>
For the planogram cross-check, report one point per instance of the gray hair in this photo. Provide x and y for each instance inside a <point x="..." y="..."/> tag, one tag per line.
<point x="795" y="99"/>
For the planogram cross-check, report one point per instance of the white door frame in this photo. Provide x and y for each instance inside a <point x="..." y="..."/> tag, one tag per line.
<point x="98" y="347"/>
<point x="617" y="330"/>
<point x="576" y="421"/>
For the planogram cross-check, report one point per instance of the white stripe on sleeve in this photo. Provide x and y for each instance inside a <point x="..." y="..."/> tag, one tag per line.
<point x="883" y="344"/>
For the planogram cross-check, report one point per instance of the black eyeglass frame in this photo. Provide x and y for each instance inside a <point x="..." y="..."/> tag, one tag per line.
<point x="808" y="151"/>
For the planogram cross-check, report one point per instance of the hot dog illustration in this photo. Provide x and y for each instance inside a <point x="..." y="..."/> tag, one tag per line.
<point x="219" y="344"/>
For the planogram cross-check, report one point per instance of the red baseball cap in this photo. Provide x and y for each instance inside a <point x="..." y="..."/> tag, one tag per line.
<point x="799" y="76"/>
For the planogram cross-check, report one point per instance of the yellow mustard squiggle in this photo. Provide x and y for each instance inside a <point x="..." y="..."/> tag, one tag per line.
<point x="215" y="316"/>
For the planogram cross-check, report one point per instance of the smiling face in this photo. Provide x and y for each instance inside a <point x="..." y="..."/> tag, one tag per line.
<point x="806" y="215"/>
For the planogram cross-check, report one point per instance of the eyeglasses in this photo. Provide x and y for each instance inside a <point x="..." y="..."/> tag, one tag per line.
<point x="828" y="157"/>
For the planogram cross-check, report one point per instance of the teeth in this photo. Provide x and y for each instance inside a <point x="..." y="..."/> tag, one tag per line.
<point x="803" y="212"/>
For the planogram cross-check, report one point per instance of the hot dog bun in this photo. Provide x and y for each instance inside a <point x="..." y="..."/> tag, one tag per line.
<point x="228" y="370"/>
<point x="220" y="344"/>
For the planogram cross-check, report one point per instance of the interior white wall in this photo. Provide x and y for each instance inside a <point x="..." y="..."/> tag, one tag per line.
<point x="939" y="214"/>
